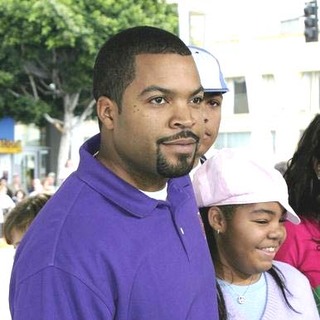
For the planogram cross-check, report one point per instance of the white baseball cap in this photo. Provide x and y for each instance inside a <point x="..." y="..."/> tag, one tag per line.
<point x="237" y="176"/>
<point x="209" y="70"/>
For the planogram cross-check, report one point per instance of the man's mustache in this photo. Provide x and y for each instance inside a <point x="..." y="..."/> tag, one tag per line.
<point x="180" y="135"/>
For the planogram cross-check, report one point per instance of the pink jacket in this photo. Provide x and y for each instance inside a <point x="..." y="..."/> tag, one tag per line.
<point x="301" y="249"/>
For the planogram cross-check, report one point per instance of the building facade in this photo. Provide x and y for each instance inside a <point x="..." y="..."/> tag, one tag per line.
<point x="273" y="74"/>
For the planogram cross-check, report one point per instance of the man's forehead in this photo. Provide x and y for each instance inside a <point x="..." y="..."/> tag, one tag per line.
<point x="167" y="71"/>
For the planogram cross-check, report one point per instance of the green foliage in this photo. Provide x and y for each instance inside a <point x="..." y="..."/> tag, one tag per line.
<point x="48" y="47"/>
<point x="32" y="111"/>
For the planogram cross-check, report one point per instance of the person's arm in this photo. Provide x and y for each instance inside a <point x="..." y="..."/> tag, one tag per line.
<point x="55" y="294"/>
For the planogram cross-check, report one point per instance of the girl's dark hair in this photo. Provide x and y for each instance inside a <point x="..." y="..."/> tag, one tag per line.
<point x="302" y="181"/>
<point x="274" y="271"/>
<point x="222" y="308"/>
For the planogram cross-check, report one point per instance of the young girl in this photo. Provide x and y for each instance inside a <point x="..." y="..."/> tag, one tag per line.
<point x="244" y="203"/>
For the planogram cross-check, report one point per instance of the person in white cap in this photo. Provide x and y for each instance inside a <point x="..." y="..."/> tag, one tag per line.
<point x="243" y="202"/>
<point x="214" y="86"/>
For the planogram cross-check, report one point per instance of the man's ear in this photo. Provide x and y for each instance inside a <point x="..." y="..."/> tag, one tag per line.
<point x="106" y="110"/>
<point x="216" y="219"/>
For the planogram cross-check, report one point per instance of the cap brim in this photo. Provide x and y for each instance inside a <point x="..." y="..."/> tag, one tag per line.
<point x="216" y="90"/>
<point x="291" y="215"/>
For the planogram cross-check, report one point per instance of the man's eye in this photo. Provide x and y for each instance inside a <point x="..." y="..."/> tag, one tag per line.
<point x="158" y="100"/>
<point x="197" y="100"/>
<point x="213" y="103"/>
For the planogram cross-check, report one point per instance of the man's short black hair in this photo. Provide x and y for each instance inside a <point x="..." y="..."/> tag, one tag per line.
<point x="114" y="67"/>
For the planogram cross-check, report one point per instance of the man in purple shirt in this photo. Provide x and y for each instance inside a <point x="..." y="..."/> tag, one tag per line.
<point x="121" y="238"/>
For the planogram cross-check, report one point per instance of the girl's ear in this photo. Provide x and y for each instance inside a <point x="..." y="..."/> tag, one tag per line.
<point x="216" y="219"/>
<point x="106" y="110"/>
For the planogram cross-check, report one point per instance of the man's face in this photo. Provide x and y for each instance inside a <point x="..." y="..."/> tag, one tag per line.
<point x="157" y="132"/>
<point x="212" y="118"/>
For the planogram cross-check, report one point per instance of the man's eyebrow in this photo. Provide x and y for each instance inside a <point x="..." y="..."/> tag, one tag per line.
<point x="199" y="90"/>
<point x="167" y="91"/>
<point x="154" y="88"/>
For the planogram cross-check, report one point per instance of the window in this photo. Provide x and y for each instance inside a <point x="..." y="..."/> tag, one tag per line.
<point x="232" y="140"/>
<point x="197" y="27"/>
<point x="310" y="88"/>
<point x="240" y="96"/>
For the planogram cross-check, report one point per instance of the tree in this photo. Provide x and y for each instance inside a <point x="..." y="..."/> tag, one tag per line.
<point x="47" y="51"/>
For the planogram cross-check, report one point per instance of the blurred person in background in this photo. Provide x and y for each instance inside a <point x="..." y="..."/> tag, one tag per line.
<point x="302" y="246"/>
<point x="4" y="182"/>
<point x="68" y="168"/>
<point x="21" y="216"/>
<point x="19" y="195"/>
<point x="6" y="204"/>
<point x="214" y="87"/>
<point x="16" y="184"/>
<point x="281" y="166"/>
<point x="36" y="187"/>
<point x="49" y="183"/>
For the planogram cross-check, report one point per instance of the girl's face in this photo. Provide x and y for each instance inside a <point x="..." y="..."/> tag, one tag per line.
<point x="250" y="239"/>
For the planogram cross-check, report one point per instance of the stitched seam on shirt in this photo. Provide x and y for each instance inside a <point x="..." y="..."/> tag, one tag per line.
<point x="57" y="238"/>
<point x="91" y="287"/>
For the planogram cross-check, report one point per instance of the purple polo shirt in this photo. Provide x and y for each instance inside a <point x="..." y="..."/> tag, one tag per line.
<point x="101" y="249"/>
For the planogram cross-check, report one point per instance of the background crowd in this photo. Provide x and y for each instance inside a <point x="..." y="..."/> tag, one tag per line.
<point x="12" y="193"/>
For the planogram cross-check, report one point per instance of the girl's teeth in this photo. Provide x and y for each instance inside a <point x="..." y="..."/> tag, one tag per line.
<point x="271" y="249"/>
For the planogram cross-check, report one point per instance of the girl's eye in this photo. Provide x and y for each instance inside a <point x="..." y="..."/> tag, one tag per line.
<point x="261" y="221"/>
<point x="283" y="219"/>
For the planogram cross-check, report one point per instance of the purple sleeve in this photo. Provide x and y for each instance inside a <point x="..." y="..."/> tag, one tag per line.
<point x="55" y="294"/>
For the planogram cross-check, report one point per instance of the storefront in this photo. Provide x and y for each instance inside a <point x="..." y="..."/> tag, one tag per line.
<point x="21" y="152"/>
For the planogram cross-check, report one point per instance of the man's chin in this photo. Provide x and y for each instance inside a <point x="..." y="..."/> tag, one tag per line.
<point x="175" y="171"/>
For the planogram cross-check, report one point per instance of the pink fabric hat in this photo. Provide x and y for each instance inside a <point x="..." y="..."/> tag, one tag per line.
<point x="236" y="176"/>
